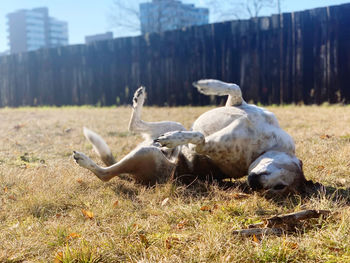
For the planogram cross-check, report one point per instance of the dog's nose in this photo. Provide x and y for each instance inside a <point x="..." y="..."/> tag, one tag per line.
<point x="254" y="182"/>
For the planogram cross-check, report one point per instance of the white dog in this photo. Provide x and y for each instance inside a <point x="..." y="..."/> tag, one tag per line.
<point x="227" y="142"/>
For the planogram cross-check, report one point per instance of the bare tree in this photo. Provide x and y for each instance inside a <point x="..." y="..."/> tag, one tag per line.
<point x="126" y="15"/>
<point x="163" y="16"/>
<point x="254" y="7"/>
<point x="279" y="9"/>
<point x="239" y="9"/>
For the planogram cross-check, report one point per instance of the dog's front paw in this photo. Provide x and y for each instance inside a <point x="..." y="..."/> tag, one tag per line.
<point x="81" y="159"/>
<point x="170" y="139"/>
<point x="176" y="138"/>
<point x="139" y="97"/>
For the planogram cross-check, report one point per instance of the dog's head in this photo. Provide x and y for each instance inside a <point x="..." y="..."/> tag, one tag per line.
<point x="277" y="173"/>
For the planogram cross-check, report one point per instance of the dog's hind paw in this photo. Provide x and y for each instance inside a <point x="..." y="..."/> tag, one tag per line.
<point x="139" y="97"/>
<point x="201" y="88"/>
<point x="82" y="159"/>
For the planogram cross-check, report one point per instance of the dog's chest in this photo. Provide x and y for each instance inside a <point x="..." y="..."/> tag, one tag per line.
<point x="233" y="159"/>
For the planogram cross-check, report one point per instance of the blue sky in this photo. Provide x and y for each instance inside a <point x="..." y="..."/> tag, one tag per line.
<point x="86" y="17"/>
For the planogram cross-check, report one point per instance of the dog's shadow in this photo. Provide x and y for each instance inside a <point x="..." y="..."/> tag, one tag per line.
<point x="194" y="188"/>
<point x="203" y="188"/>
<point x="313" y="190"/>
<point x="336" y="193"/>
<point x="125" y="187"/>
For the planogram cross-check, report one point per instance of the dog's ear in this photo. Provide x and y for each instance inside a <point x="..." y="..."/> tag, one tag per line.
<point x="301" y="164"/>
<point x="307" y="186"/>
<point x="311" y="188"/>
<point x="302" y="184"/>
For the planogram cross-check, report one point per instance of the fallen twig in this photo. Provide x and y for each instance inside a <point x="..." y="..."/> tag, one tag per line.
<point x="276" y="224"/>
<point x="292" y="218"/>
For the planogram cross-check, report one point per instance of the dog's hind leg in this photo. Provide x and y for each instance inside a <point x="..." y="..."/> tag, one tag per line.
<point x="150" y="129"/>
<point x="219" y="88"/>
<point x="146" y="165"/>
<point x="100" y="147"/>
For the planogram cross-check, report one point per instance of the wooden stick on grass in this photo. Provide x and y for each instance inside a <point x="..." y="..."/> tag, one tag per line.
<point x="276" y="224"/>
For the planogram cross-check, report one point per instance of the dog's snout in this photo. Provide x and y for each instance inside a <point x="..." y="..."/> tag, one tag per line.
<point x="195" y="83"/>
<point x="254" y="182"/>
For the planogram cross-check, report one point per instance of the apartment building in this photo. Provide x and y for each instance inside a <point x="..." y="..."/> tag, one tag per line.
<point x="164" y="15"/>
<point x="33" y="29"/>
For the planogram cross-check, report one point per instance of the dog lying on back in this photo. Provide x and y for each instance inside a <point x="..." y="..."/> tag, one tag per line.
<point x="227" y="142"/>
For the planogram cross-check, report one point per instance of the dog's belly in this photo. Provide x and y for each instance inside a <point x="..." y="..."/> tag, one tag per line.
<point x="216" y="119"/>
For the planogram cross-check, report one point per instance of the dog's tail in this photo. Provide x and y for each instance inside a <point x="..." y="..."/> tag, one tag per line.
<point x="220" y="88"/>
<point x="100" y="147"/>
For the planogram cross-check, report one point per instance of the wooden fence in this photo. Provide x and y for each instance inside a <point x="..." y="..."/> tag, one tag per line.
<point x="301" y="57"/>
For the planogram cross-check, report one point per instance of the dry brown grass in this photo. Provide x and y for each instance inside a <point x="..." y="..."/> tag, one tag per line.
<point x="43" y="193"/>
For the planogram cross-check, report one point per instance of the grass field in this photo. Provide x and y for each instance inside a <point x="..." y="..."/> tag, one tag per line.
<point x="51" y="210"/>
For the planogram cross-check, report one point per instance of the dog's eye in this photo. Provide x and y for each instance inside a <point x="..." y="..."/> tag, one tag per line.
<point x="279" y="187"/>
